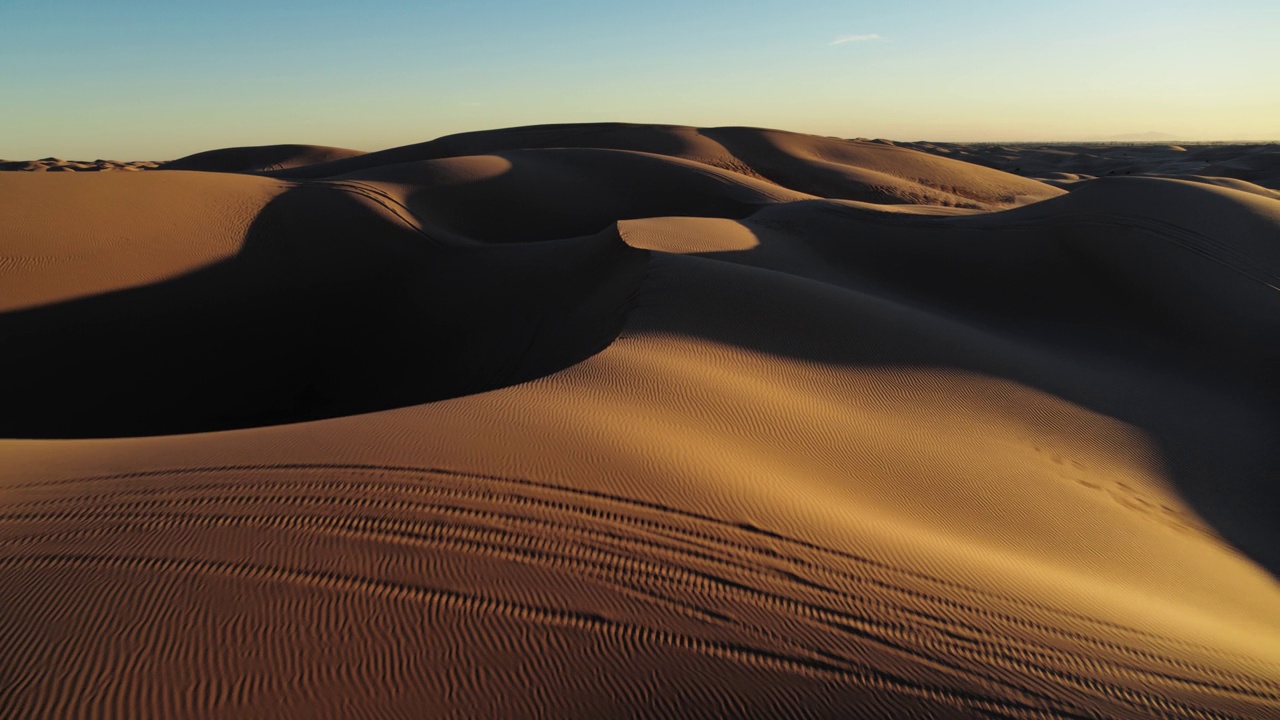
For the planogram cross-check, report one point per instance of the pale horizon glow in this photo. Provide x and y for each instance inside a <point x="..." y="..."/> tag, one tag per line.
<point x="143" y="79"/>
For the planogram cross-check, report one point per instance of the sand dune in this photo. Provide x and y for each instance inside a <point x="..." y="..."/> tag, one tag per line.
<point x="259" y="158"/>
<point x="53" y="164"/>
<point x="848" y="169"/>
<point x="615" y="420"/>
<point x="1251" y="166"/>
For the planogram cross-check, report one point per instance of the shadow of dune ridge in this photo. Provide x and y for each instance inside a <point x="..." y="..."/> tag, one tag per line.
<point x="333" y="306"/>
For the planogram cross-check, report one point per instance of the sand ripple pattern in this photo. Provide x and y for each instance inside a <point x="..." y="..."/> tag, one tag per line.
<point x="401" y="550"/>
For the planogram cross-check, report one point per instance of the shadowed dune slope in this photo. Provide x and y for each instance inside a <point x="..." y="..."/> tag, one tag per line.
<point x="548" y="430"/>
<point x="259" y="158"/>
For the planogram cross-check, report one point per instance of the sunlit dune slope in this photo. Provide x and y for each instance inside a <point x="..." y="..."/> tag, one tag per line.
<point x="530" y="424"/>
<point x="69" y="236"/>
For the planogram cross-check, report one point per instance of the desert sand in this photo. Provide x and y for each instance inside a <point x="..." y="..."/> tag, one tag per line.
<point x="641" y="421"/>
<point x="53" y="164"/>
<point x="1240" y="167"/>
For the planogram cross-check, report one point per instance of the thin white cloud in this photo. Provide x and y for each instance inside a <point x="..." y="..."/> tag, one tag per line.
<point x="865" y="37"/>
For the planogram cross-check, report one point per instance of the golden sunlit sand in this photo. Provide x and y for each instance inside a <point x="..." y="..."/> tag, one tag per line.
<point x="642" y="421"/>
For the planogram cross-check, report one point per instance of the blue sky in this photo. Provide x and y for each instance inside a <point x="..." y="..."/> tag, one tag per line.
<point x="154" y="80"/>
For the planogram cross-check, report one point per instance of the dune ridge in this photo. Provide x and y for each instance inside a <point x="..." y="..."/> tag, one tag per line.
<point x="259" y="158"/>
<point x="621" y="420"/>
<point x="830" y="167"/>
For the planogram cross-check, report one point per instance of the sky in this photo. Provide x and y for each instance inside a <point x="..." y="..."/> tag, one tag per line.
<point x="143" y="79"/>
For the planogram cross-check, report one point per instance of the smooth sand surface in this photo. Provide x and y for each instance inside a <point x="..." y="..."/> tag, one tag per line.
<point x="637" y="421"/>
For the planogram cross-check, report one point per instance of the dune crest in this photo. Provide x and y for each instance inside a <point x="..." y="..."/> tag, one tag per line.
<point x="620" y="420"/>
<point x="260" y="158"/>
<point x="829" y="167"/>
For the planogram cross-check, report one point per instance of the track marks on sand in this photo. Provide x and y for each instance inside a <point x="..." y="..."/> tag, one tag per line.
<point x="634" y="573"/>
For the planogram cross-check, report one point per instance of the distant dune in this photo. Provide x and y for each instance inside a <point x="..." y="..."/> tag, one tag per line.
<point x="642" y="421"/>
<point x="1251" y="168"/>
<point x="53" y="164"/>
<point x="259" y="158"/>
<point x="829" y="167"/>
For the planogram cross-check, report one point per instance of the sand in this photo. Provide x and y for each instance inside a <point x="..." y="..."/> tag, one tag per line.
<point x="53" y="164"/>
<point x="637" y="421"/>
<point x="1252" y="168"/>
